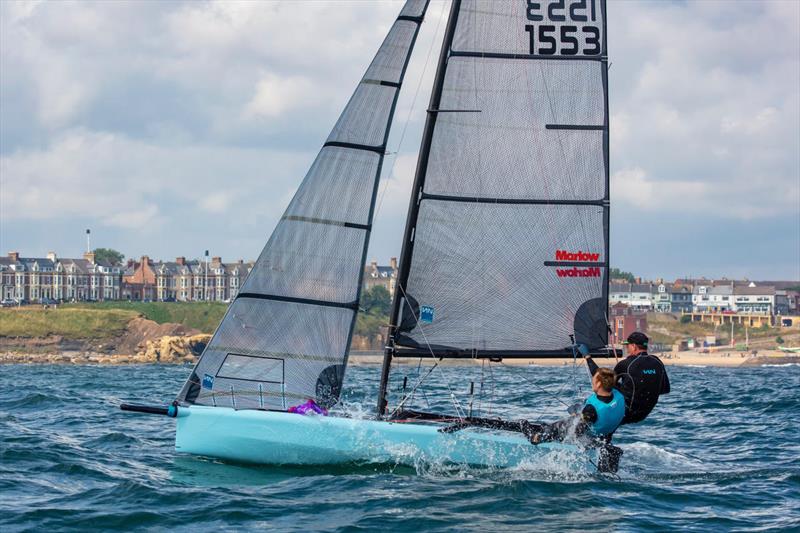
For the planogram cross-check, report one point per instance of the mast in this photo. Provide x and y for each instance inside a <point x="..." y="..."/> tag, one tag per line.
<point x="413" y="209"/>
<point x="606" y="165"/>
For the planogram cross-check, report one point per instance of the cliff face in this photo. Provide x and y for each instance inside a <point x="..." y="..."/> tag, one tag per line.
<point x="141" y="331"/>
<point x="173" y="349"/>
<point x="142" y="341"/>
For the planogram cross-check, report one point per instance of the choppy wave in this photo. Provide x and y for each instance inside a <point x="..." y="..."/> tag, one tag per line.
<point x="719" y="453"/>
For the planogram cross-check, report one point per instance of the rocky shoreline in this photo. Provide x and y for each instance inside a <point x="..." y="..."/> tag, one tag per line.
<point x="144" y="342"/>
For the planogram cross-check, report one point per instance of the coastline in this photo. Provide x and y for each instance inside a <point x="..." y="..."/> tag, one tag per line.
<point x="728" y="360"/>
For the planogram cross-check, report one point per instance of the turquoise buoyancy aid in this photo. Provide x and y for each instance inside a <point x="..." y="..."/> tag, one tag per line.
<point x="609" y="415"/>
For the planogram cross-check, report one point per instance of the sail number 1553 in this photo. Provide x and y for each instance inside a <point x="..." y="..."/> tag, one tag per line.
<point x="569" y="40"/>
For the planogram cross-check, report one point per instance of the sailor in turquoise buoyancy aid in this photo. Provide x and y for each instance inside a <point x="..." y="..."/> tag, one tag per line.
<point x="601" y="414"/>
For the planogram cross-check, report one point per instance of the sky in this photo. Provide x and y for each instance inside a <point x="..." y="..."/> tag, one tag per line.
<point x="170" y="128"/>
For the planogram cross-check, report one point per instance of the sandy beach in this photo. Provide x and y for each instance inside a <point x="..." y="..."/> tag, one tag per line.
<point x="721" y="359"/>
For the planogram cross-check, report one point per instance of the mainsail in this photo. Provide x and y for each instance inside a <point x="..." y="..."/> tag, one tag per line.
<point x="286" y="336"/>
<point x="506" y="246"/>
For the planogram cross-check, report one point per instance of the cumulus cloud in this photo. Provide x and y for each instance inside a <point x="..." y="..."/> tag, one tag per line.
<point x="701" y="122"/>
<point x="203" y="117"/>
<point x="275" y="95"/>
<point x="133" y="219"/>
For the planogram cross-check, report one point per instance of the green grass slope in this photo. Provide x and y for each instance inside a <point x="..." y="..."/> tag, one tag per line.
<point x="204" y="316"/>
<point x="31" y="322"/>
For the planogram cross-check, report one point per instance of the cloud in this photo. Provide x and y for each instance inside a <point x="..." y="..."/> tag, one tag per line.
<point x="216" y="202"/>
<point x="276" y="95"/>
<point x="632" y="187"/>
<point x="125" y="182"/>
<point x="133" y="219"/>
<point x="202" y="118"/>
<point x="697" y="126"/>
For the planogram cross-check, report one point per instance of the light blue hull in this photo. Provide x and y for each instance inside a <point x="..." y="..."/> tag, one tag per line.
<point x="265" y="437"/>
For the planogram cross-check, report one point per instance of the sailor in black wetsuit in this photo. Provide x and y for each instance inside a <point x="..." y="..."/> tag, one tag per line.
<point x="641" y="378"/>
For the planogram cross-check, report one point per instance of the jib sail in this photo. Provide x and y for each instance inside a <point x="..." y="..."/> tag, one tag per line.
<point x="506" y="246"/>
<point x="286" y="336"/>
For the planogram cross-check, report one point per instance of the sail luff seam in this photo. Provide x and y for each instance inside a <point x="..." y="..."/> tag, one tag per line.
<point x="419" y="181"/>
<point x="418" y="20"/>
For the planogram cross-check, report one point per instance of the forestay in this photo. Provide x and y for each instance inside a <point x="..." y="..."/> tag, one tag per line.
<point x="506" y="246"/>
<point x="285" y="337"/>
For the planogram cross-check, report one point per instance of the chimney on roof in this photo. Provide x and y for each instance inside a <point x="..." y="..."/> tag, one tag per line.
<point x="14" y="256"/>
<point x="240" y="261"/>
<point x="89" y="256"/>
<point x="638" y="280"/>
<point x="393" y="263"/>
<point x="216" y="260"/>
<point x="373" y="264"/>
<point x="181" y="261"/>
<point x="52" y="256"/>
<point x="145" y="260"/>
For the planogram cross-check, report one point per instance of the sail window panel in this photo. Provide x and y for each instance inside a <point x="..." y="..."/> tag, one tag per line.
<point x="310" y="260"/>
<point x="391" y="57"/>
<point x="289" y="345"/>
<point x="499" y="27"/>
<point x="338" y="187"/>
<point x="481" y="268"/>
<point x="500" y="145"/>
<point x="414" y="8"/>
<point x="366" y="117"/>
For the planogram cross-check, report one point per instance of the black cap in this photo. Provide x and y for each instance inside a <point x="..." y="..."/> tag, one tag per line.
<point x="638" y="338"/>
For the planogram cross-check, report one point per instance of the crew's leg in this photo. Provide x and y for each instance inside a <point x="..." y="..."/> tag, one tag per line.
<point x="557" y="431"/>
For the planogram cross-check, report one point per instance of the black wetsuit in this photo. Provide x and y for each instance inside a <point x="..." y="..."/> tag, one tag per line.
<point x="641" y="379"/>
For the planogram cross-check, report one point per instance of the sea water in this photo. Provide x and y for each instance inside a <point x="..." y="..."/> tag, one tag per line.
<point x="720" y="452"/>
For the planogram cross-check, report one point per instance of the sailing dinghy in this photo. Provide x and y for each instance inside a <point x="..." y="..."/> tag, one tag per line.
<point x="505" y="252"/>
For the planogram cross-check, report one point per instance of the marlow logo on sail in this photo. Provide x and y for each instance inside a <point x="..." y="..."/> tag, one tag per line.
<point x="582" y="264"/>
<point x="563" y="255"/>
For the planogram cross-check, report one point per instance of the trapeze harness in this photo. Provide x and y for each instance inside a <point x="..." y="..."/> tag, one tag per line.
<point x="608" y="415"/>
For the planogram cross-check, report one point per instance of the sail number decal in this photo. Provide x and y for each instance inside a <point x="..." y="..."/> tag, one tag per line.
<point x="579" y="39"/>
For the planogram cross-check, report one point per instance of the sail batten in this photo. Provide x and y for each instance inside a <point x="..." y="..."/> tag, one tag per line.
<point x="287" y="334"/>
